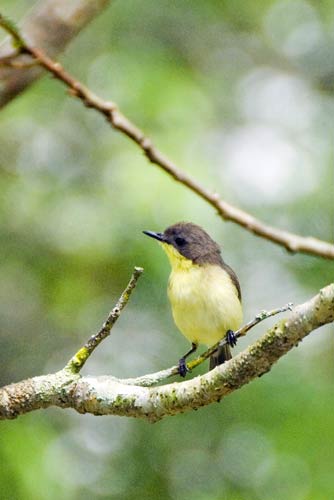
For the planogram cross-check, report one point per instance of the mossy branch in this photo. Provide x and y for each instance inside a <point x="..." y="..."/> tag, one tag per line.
<point x="108" y="396"/>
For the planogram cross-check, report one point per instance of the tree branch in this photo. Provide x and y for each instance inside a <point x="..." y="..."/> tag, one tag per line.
<point x="108" y="396"/>
<point x="51" y="24"/>
<point x="290" y="241"/>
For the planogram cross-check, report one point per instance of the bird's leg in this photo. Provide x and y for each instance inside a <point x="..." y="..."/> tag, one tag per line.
<point x="182" y="361"/>
<point x="231" y="338"/>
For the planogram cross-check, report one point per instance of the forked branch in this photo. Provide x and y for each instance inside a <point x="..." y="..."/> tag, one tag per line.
<point x="110" y="396"/>
<point x="49" y="24"/>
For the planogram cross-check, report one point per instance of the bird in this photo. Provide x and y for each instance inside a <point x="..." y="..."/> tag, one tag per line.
<point x="204" y="292"/>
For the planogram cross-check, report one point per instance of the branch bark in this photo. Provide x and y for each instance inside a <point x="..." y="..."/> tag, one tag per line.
<point x="292" y="242"/>
<point x="51" y="24"/>
<point x="110" y="396"/>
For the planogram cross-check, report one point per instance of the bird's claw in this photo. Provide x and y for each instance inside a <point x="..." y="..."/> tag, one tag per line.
<point x="231" y="338"/>
<point x="183" y="367"/>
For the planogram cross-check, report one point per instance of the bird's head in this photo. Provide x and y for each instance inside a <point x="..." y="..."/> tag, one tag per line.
<point x="184" y="242"/>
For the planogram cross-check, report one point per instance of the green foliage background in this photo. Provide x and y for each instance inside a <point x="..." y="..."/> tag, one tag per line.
<point x="238" y="94"/>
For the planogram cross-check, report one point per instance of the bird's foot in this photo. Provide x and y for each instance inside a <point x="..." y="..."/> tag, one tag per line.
<point x="231" y="338"/>
<point x="183" y="367"/>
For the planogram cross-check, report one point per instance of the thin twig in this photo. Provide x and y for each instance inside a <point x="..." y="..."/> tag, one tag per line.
<point x="157" y="377"/>
<point x="77" y="362"/>
<point x="239" y="333"/>
<point x="292" y="242"/>
<point x="13" y="61"/>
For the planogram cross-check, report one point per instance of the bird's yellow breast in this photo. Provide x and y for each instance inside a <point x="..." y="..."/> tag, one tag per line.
<point x="204" y="300"/>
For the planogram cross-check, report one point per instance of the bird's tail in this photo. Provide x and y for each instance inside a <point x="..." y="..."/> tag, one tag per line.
<point x="220" y="356"/>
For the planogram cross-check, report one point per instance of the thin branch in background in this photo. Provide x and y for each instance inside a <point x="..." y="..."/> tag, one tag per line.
<point x="13" y="31"/>
<point x="13" y="61"/>
<point x="77" y="362"/>
<point x="290" y="241"/>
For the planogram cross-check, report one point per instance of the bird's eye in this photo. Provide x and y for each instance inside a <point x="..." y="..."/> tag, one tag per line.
<point x="180" y="241"/>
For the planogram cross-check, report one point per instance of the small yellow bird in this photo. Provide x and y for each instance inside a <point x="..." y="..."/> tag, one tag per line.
<point x="204" y="292"/>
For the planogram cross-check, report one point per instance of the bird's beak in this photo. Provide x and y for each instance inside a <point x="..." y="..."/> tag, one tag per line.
<point x="156" y="236"/>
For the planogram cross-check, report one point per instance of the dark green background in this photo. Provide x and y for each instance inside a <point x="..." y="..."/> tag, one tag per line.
<point x="239" y="95"/>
